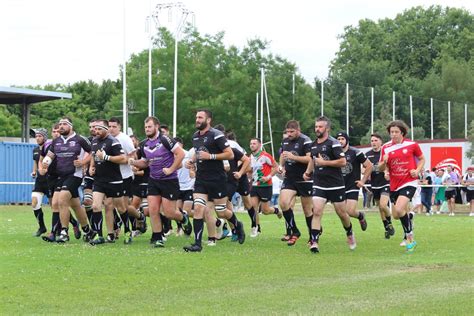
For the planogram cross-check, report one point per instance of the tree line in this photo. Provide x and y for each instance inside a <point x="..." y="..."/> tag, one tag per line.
<point x="424" y="52"/>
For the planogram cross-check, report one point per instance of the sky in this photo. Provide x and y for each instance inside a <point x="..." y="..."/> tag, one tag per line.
<point x="58" y="41"/>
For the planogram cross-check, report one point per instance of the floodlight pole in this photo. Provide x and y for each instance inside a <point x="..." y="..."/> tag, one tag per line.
<point x="322" y="97"/>
<point x="124" y="77"/>
<point x="372" y="110"/>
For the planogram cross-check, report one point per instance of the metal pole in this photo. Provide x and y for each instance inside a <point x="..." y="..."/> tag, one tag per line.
<point x="431" y="108"/>
<point x="465" y="120"/>
<point x="124" y="79"/>
<point x="256" y="116"/>
<point x="261" y="104"/>
<point x="449" y="119"/>
<point x="347" y="109"/>
<point x="293" y="99"/>
<point x="150" y="44"/>
<point x="322" y="97"/>
<point x="175" y="84"/>
<point x="411" y="118"/>
<point x="268" y="115"/>
<point x="372" y="110"/>
<point x="393" y="104"/>
<point x="153" y="108"/>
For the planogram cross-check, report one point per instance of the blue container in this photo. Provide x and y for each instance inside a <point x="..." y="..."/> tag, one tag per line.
<point x="16" y="164"/>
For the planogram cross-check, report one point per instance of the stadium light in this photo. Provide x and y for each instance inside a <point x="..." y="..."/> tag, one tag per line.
<point x="154" y="98"/>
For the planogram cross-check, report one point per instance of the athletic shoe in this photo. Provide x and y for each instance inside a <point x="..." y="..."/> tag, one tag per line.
<point x="141" y="224"/>
<point x="90" y="236"/>
<point x="193" y="248"/>
<point x="254" y="232"/>
<point x="390" y="229"/>
<point x="240" y="232"/>
<point x="411" y="247"/>
<point x="225" y="231"/>
<point x="40" y="232"/>
<point x="77" y="232"/>
<point x="403" y="243"/>
<point x="387" y="234"/>
<point x="187" y="227"/>
<point x="98" y="240"/>
<point x="127" y="238"/>
<point x="179" y="231"/>
<point x="451" y="214"/>
<point x="62" y="238"/>
<point x="110" y="239"/>
<point x="158" y="244"/>
<point x="234" y="237"/>
<point x="280" y="213"/>
<point x="220" y="229"/>
<point x="211" y="242"/>
<point x="314" y="247"/>
<point x="168" y="233"/>
<point x="471" y="214"/>
<point x="49" y="238"/>
<point x="351" y="242"/>
<point x="136" y="233"/>
<point x="285" y="238"/>
<point x="363" y="222"/>
<point x="293" y="239"/>
<point x="117" y="233"/>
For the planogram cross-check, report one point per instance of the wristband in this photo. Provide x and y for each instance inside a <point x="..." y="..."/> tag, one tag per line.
<point x="213" y="156"/>
<point x="106" y="157"/>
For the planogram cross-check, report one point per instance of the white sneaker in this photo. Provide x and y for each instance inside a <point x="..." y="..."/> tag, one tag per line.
<point x="211" y="243"/>
<point x="179" y="232"/>
<point x="451" y="214"/>
<point x="471" y="214"/>
<point x="254" y="232"/>
<point x="351" y="242"/>
<point x="403" y="243"/>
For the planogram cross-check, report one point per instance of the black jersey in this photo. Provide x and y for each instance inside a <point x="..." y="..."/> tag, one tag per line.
<point x="324" y="177"/>
<point x="351" y="171"/>
<point x="36" y="156"/>
<point x="146" y="171"/>
<point x="107" y="171"/>
<point x="299" y="147"/>
<point x="66" y="150"/>
<point x="377" y="178"/>
<point x="234" y="165"/>
<point x="213" y="142"/>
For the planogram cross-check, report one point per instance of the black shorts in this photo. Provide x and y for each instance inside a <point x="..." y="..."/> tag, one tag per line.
<point x="69" y="183"/>
<point x="111" y="190"/>
<point x="88" y="183"/>
<point x="127" y="187"/>
<point x="231" y="189"/>
<point x="377" y="193"/>
<point x="302" y="188"/>
<point x="169" y="189"/>
<point x="215" y="189"/>
<point x="52" y="180"/>
<point x="140" y="190"/>
<point x="243" y="188"/>
<point x="469" y="195"/>
<point x="186" y="195"/>
<point x="408" y="191"/>
<point x="450" y="194"/>
<point x="41" y="186"/>
<point x="263" y="193"/>
<point x="352" y="195"/>
<point x="334" y="196"/>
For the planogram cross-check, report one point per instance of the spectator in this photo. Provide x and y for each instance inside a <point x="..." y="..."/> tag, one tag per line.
<point x="450" y="193"/>
<point x="427" y="192"/>
<point x="276" y="187"/>
<point x="468" y="181"/>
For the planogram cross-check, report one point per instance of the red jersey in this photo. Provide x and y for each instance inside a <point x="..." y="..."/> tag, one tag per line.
<point x="262" y="164"/>
<point x="401" y="159"/>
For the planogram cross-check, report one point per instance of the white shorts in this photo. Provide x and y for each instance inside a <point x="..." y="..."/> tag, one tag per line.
<point x="416" y="200"/>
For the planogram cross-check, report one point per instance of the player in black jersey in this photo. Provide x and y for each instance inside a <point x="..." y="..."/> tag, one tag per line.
<point x="294" y="159"/>
<point x="88" y="180"/>
<point x="71" y="152"/>
<point x="351" y="172"/>
<point x="379" y="185"/>
<point x="211" y="148"/>
<point x="41" y="182"/>
<point x="107" y="156"/>
<point x="139" y="189"/>
<point x="328" y="183"/>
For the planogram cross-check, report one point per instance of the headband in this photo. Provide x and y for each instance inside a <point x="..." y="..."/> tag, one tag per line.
<point x="66" y="122"/>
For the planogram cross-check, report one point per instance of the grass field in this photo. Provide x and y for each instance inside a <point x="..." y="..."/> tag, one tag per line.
<point x="263" y="276"/>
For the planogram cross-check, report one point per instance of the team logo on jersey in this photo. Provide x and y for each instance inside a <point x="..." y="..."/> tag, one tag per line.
<point x="72" y="143"/>
<point x="324" y="148"/>
<point x="404" y="151"/>
<point x="204" y="139"/>
<point x="346" y="169"/>
<point x="297" y="145"/>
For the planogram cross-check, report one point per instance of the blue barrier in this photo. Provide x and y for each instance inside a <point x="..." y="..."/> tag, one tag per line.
<point x="16" y="164"/>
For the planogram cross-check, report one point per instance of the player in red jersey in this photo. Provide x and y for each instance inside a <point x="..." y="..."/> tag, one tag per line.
<point x="404" y="160"/>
